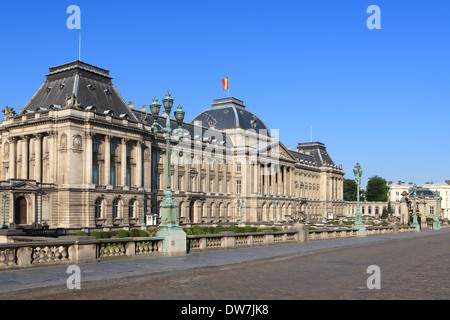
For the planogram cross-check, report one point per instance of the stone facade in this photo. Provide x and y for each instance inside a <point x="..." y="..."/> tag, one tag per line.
<point x="78" y="156"/>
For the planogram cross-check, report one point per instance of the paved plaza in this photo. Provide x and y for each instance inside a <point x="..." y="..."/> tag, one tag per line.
<point x="412" y="266"/>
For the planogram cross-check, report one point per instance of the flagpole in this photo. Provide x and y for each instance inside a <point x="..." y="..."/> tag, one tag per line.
<point x="228" y="86"/>
<point x="79" y="47"/>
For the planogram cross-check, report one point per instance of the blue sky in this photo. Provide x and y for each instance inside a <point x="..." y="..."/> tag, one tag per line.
<point x="377" y="97"/>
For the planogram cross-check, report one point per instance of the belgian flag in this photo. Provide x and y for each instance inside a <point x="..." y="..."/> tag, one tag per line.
<point x="225" y="83"/>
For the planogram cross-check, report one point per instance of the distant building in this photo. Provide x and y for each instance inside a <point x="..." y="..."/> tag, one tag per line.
<point x="444" y="192"/>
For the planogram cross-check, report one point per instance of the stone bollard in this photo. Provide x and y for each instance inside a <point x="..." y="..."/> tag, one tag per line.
<point x="228" y="239"/>
<point x="24" y="256"/>
<point x="302" y="232"/>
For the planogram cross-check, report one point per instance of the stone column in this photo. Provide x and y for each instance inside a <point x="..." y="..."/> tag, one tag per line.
<point x="38" y="157"/>
<point x="139" y="145"/>
<point x="12" y="157"/>
<point x="123" y="163"/>
<point x="25" y="142"/>
<point x="52" y="155"/>
<point x="88" y="149"/>
<point x="107" y="172"/>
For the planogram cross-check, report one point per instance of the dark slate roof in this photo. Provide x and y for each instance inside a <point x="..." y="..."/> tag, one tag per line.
<point x="189" y="130"/>
<point x="228" y="113"/>
<point x="303" y="157"/>
<point x="90" y="85"/>
<point x="427" y="193"/>
<point x="318" y="151"/>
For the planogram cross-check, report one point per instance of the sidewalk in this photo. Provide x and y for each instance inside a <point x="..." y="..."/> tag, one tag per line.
<point x="39" y="277"/>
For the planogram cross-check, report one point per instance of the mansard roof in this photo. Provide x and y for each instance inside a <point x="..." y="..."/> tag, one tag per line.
<point x="318" y="151"/>
<point x="228" y="113"/>
<point x="80" y="85"/>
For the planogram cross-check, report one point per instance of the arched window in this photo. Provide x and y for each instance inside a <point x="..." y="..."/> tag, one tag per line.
<point x="115" y="207"/>
<point x="131" y="208"/>
<point x="98" y="208"/>
<point x="180" y="209"/>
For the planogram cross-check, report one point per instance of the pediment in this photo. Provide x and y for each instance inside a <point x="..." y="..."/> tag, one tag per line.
<point x="276" y="149"/>
<point x="24" y="185"/>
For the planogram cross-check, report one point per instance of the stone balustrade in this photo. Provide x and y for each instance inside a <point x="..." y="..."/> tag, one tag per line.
<point x="29" y="254"/>
<point x="23" y="252"/>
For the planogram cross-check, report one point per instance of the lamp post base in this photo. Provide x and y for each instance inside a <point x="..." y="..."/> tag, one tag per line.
<point x="436" y="225"/>
<point x="174" y="243"/>
<point x="359" y="225"/>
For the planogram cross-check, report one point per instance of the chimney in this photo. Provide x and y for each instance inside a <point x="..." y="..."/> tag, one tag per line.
<point x="131" y="104"/>
<point x="144" y="108"/>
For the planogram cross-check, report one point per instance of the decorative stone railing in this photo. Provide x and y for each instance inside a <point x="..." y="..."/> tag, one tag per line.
<point x="71" y="250"/>
<point x="225" y="240"/>
<point x="28" y="254"/>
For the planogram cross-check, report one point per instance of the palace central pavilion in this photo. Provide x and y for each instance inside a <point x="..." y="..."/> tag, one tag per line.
<point x="77" y="155"/>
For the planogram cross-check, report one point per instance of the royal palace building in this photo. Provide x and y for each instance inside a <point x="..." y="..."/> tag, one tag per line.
<point x="77" y="155"/>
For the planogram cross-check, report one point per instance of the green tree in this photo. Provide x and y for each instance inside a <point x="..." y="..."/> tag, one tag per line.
<point x="350" y="191"/>
<point x="377" y="189"/>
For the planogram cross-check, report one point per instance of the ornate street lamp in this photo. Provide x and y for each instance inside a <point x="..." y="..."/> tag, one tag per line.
<point x="240" y="203"/>
<point x="436" y="223"/>
<point x="415" y="223"/>
<point x="358" y="221"/>
<point x="324" y="219"/>
<point x="307" y="213"/>
<point x="4" y="226"/>
<point x="168" y="227"/>
<point x="143" y="211"/>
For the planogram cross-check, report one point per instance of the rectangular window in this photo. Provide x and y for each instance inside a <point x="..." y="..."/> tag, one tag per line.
<point x="238" y="167"/>
<point x="180" y="183"/>
<point x="238" y="186"/>
<point x="95" y="174"/>
<point x="211" y="183"/>
<point x="95" y="144"/>
<point x="129" y="177"/>
<point x="112" y="175"/>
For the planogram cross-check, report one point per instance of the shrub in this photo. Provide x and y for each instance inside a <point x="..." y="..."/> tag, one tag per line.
<point x="96" y="234"/>
<point x="134" y="233"/>
<point x="218" y="229"/>
<point x="143" y="233"/>
<point x="82" y="233"/>
<point x="107" y="234"/>
<point x="123" y="233"/>
<point x="188" y="231"/>
<point x="233" y="229"/>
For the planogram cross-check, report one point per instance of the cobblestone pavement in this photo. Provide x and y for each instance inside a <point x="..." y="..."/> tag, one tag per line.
<point x="411" y="268"/>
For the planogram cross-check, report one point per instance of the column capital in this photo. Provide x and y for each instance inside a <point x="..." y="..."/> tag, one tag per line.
<point x="37" y="135"/>
<point x="89" y="134"/>
<point x="13" y="139"/>
<point x="125" y="140"/>
<point x="52" y="134"/>
<point x="108" y="138"/>
<point x="25" y="138"/>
